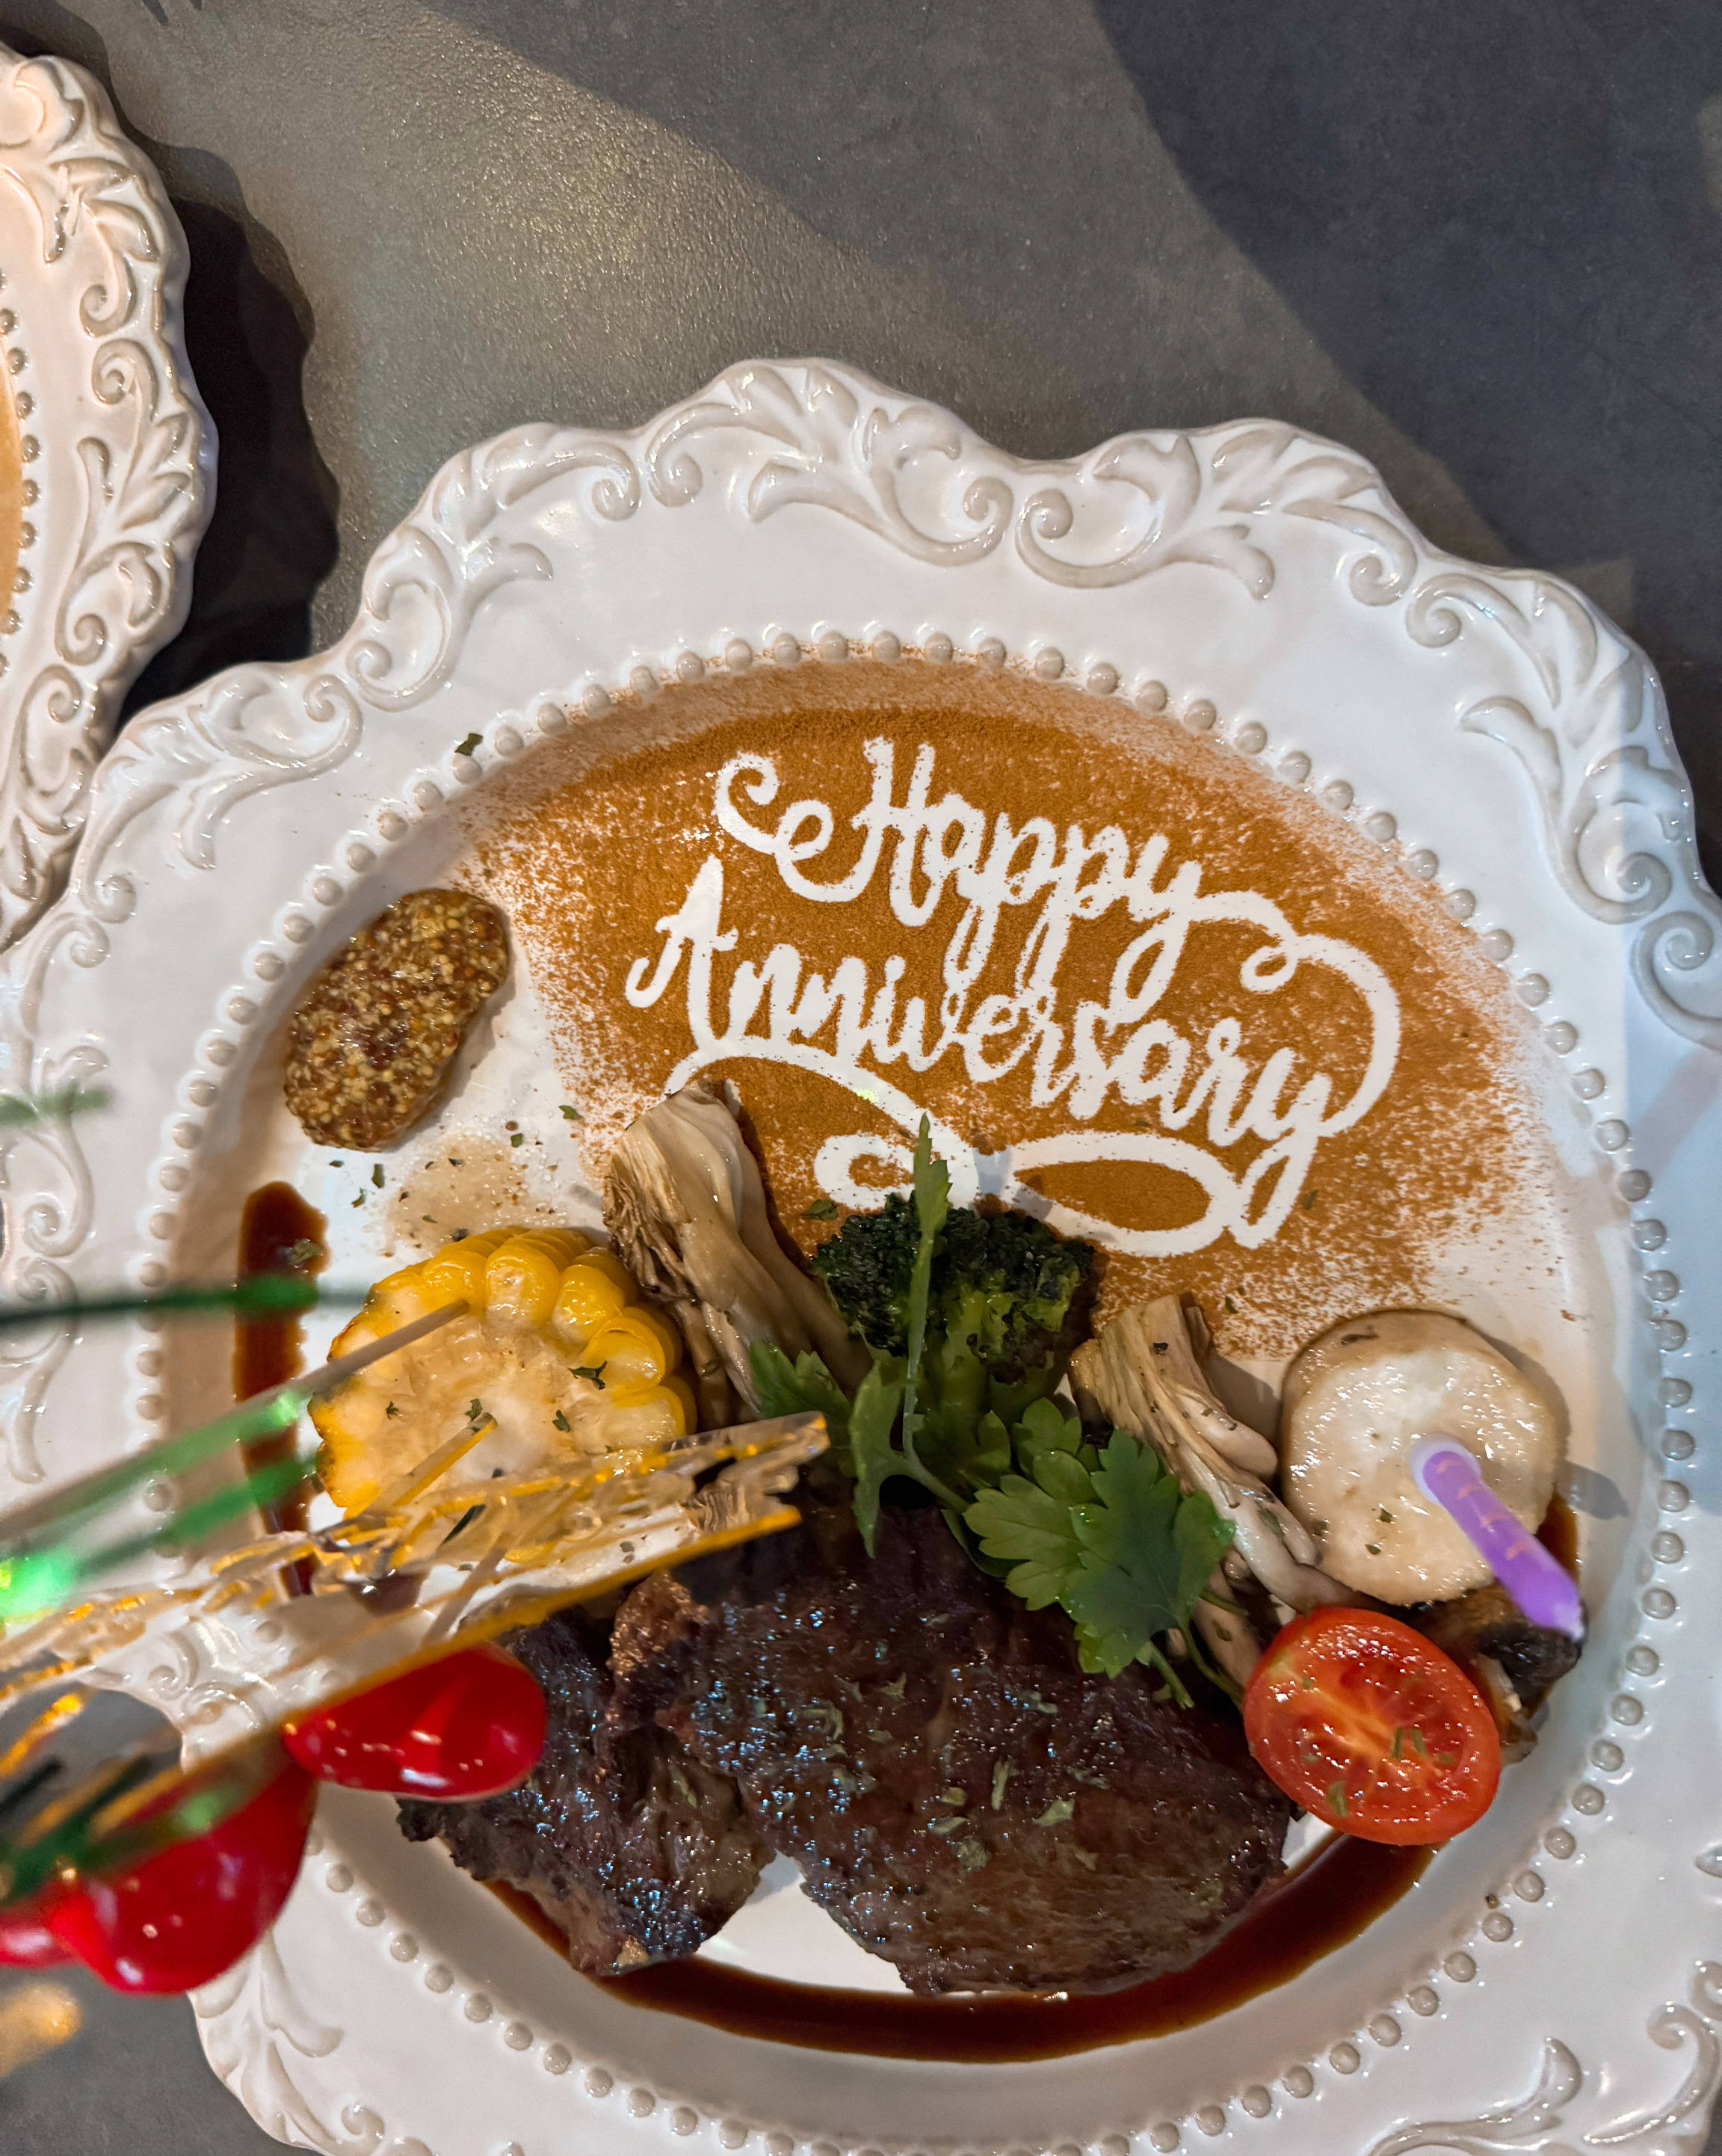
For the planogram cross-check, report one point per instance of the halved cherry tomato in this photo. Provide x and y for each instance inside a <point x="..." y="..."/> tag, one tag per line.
<point x="179" y="1917"/>
<point x="1372" y="1728"/>
<point x="468" y="1726"/>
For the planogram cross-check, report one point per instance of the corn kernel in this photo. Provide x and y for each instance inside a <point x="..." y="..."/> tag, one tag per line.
<point x="668" y="1331"/>
<point x="682" y="1393"/>
<point x="654" y="1417"/>
<point x="457" y="1272"/>
<point x="607" y="1262"/>
<point x="629" y="1349"/>
<point x="523" y="1276"/>
<point x="588" y="1297"/>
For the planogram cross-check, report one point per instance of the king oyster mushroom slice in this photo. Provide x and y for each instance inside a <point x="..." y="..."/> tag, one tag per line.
<point x="1356" y="1402"/>
<point x="1142" y="1373"/>
<point x="685" y="1205"/>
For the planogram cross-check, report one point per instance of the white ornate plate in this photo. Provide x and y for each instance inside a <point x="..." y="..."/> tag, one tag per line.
<point x="107" y="457"/>
<point x="1546" y="1985"/>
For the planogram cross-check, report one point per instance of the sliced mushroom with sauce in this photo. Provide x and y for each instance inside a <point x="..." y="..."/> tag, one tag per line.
<point x="1356" y="1402"/>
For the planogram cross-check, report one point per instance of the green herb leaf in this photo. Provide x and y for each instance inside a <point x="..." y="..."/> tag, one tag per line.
<point x="518" y="1139"/>
<point x="797" y="1388"/>
<point x="391" y="1411"/>
<point x="1147" y="1551"/>
<point x="596" y="1375"/>
<point x="1035" y="1532"/>
<point x="376" y="1175"/>
<point x="572" y="1115"/>
<point x="871" y="1420"/>
<point x="821" y="1209"/>
<point x="560" y="1421"/>
<point x="932" y="1207"/>
<point x="467" y="746"/>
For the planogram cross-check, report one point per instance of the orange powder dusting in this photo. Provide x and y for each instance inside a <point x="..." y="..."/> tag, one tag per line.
<point x="591" y="861"/>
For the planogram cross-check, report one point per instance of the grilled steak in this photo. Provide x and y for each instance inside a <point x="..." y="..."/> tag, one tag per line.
<point x="636" y="1850"/>
<point x="960" y="1795"/>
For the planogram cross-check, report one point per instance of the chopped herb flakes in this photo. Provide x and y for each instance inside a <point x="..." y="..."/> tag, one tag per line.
<point x="1002" y="1771"/>
<point x="1057" y="1812"/>
<point x="467" y="746"/>
<point x="560" y="1421"/>
<point x="303" y="1251"/>
<point x="596" y="1376"/>
<point x="821" y="1209"/>
<point x="971" y="1854"/>
<point x="376" y="1175"/>
<point x="392" y="1410"/>
<point x="518" y="1138"/>
<point x="572" y="1115"/>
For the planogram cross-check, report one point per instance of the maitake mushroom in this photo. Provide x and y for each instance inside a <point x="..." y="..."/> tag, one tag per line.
<point x="1144" y="1374"/>
<point x="686" y="1207"/>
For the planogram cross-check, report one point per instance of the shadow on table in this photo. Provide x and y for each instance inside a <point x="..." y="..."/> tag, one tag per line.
<point x="1505" y="226"/>
<point x="272" y="537"/>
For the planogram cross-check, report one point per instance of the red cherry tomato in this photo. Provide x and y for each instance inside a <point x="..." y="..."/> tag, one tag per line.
<point x="468" y="1726"/>
<point x="25" y="1940"/>
<point x="178" y="1918"/>
<point x="1372" y="1728"/>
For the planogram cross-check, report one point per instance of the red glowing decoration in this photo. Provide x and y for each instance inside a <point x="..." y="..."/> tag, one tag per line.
<point x="178" y="1918"/>
<point x="466" y="1727"/>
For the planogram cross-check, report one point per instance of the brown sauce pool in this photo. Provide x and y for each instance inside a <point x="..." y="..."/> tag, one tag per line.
<point x="1327" y="1901"/>
<point x="279" y="1232"/>
<point x="1559" y="1534"/>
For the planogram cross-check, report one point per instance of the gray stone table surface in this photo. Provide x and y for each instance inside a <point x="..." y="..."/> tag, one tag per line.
<point x="1483" y="244"/>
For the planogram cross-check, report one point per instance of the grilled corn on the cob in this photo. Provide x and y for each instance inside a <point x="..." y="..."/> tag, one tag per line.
<point x="555" y="1347"/>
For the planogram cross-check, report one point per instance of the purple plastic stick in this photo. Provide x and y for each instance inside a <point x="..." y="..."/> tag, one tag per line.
<point x="1443" y="1470"/>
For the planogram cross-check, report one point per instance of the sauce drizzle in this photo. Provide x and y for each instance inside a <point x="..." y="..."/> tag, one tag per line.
<point x="278" y="1234"/>
<point x="1559" y="1534"/>
<point x="1313" y="1911"/>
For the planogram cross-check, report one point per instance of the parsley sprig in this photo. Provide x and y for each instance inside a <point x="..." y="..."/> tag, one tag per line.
<point x="1108" y="1535"/>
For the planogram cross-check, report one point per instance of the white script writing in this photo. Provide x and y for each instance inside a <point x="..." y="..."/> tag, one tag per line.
<point x="854" y="1024"/>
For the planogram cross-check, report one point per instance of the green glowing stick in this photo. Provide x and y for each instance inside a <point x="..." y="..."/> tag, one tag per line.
<point x="51" y="1107"/>
<point x="49" y="1549"/>
<point x="265" y="1294"/>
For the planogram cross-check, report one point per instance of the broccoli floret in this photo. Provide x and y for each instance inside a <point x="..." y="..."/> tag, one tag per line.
<point x="866" y="1268"/>
<point x="1002" y="1281"/>
<point x="1007" y="1283"/>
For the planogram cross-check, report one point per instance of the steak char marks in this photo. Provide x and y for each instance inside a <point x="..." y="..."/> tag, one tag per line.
<point x="632" y="1847"/>
<point x="960" y="1795"/>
